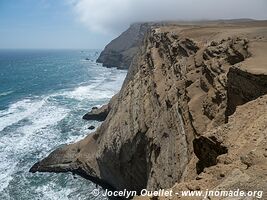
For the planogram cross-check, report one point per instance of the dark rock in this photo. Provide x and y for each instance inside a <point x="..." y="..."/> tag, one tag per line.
<point x="91" y="127"/>
<point x="98" y="114"/>
<point x="207" y="149"/>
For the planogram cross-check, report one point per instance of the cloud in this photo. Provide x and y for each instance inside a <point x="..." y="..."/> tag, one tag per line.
<point x="116" y="15"/>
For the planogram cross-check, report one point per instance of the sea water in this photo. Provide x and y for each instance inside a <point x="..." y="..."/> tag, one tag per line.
<point x="43" y="96"/>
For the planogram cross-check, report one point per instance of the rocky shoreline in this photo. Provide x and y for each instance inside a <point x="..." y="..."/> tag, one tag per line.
<point x="193" y="107"/>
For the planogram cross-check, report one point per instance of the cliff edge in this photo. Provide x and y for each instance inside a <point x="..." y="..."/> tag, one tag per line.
<point x="167" y="124"/>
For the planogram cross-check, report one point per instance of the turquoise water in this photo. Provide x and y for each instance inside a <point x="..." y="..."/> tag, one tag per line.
<point x="43" y="96"/>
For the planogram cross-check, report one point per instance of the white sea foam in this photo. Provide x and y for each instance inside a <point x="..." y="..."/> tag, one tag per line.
<point x="19" y="111"/>
<point x="41" y="116"/>
<point x="76" y="138"/>
<point x="104" y="87"/>
<point x="52" y="192"/>
<point x="46" y="117"/>
<point x="89" y="92"/>
<point x="40" y="129"/>
<point x="7" y="168"/>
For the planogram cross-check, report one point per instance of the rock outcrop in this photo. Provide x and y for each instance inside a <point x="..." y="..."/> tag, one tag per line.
<point x="98" y="114"/>
<point x="167" y="124"/>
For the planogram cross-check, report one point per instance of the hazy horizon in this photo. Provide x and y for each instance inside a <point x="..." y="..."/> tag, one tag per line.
<point x="91" y="24"/>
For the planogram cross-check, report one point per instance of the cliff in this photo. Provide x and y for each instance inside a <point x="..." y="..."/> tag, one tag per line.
<point x="167" y="127"/>
<point x="237" y="152"/>
<point x="120" y="51"/>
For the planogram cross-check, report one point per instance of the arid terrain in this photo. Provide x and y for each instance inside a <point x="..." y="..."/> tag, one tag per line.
<point x="191" y="115"/>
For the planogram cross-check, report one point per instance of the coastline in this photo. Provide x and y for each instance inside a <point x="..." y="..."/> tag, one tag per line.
<point x="175" y="117"/>
<point x="34" y="121"/>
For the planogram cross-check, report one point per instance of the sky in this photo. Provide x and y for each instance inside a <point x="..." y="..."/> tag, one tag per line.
<point x="45" y="24"/>
<point x="91" y="24"/>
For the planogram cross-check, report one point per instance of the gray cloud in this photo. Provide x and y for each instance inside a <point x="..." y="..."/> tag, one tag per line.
<point x="116" y="15"/>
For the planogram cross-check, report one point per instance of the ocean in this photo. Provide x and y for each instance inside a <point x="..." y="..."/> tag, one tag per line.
<point x="43" y="96"/>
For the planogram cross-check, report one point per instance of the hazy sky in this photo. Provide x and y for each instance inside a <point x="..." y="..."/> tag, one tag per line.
<point x="93" y="23"/>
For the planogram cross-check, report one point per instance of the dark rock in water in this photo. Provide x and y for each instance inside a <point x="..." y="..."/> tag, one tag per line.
<point x="98" y="114"/>
<point x="91" y="127"/>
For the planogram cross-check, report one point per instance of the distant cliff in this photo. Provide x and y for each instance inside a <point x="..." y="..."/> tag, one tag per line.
<point x="179" y="119"/>
<point x="120" y="51"/>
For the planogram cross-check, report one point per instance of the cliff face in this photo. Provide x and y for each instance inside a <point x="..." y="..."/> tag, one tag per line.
<point x="237" y="152"/>
<point x="120" y="52"/>
<point x="184" y="82"/>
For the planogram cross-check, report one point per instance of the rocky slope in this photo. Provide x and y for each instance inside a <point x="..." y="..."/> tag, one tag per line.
<point x="185" y="82"/>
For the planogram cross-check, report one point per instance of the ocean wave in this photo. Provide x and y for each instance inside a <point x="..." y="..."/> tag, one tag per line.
<point x="106" y="86"/>
<point x="90" y="92"/>
<point x="18" y="111"/>
<point x="6" y="93"/>
<point x="26" y="139"/>
<point x="50" y="192"/>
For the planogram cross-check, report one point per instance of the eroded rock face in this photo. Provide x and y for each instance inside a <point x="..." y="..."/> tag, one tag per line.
<point x="243" y="166"/>
<point x="175" y="92"/>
